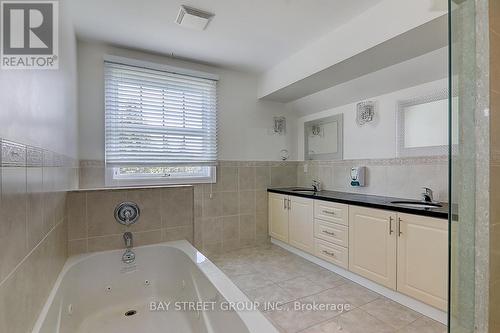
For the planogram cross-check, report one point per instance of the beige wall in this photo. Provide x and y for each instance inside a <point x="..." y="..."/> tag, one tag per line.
<point x="230" y="214"/>
<point x="33" y="234"/>
<point x="233" y="212"/>
<point x="37" y="108"/>
<point x="166" y="214"/>
<point x="396" y="177"/>
<point x="494" y="308"/>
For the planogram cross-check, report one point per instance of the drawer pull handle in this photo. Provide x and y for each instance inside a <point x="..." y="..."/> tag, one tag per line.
<point x="331" y="254"/>
<point x="328" y="232"/>
<point x="329" y="212"/>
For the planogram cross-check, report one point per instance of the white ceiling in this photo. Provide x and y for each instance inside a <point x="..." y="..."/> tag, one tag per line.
<point x="249" y="35"/>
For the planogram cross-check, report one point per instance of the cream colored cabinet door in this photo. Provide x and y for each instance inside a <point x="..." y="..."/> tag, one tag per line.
<point x="278" y="216"/>
<point x="423" y="259"/>
<point x="301" y="223"/>
<point x="372" y="244"/>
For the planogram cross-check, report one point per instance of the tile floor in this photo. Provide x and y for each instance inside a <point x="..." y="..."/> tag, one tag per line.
<point x="269" y="274"/>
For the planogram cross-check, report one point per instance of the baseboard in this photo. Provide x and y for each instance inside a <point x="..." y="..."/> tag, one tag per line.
<point x="409" y="302"/>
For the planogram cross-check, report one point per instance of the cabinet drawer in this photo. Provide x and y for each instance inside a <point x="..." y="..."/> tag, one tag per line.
<point x="332" y="232"/>
<point x="335" y="254"/>
<point x="331" y="211"/>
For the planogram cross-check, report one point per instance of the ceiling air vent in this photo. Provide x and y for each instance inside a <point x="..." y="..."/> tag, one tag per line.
<point x="193" y="18"/>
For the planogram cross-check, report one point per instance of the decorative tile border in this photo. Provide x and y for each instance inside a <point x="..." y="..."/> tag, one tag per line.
<point x="34" y="157"/>
<point x="91" y="164"/>
<point x="373" y="162"/>
<point x="13" y="154"/>
<point x="424" y="160"/>
<point x="16" y="154"/>
<point x="220" y="163"/>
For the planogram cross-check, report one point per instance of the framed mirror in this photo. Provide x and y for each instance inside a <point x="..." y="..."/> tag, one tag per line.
<point x="323" y="138"/>
<point x="422" y="125"/>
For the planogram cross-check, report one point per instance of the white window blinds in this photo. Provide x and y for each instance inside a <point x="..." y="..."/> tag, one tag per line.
<point x="156" y="117"/>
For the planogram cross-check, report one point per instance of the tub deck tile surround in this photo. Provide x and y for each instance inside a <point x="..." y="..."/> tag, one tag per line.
<point x="268" y="273"/>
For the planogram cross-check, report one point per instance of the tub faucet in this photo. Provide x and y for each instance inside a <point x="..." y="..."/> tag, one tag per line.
<point x="129" y="256"/>
<point x="128" y="239"/>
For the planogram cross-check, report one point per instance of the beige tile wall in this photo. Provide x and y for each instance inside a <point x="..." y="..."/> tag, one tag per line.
<point x="166" y="214"/>
<point x="494" y="292"/>
<point x="33" y="236"/>
<point x="398" y="177"/>
<point x="230" y="214"/>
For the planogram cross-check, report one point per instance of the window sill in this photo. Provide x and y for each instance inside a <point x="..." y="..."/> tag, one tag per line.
<point x="111" y="182"/>
<point x="137" y="187"/>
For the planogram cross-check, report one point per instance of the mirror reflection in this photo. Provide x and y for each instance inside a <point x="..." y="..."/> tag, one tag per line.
<point x="422" y="125"/>
<point x="324" y="138"/>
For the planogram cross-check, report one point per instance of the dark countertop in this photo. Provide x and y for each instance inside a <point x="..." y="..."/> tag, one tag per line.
<point x="372" y="201"/>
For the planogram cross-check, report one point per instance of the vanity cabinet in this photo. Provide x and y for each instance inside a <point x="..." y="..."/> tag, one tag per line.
<point x="331" y="212"/>
<point x="291" y="220"/>
<point x="331" y="232"/>
<point x="372" y="244"/>
<point x="335" y="254"/>
<point x="278" y="216"/>
<point x="300" y="221"/>
<point x="403" y="252"/>
<point x="423" y="259"/>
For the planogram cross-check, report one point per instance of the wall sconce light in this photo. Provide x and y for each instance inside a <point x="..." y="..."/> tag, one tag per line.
<point x="279" y="125"/>
<point x="365" y="112"/>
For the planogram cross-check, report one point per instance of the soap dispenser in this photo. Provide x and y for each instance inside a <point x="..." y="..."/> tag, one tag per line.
<point x="358" y="176"/>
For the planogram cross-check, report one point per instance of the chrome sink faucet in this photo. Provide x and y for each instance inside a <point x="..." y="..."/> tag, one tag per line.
<point x="129" y="256"/>
<point x="427" y="195"/>
<point x="316" y="185"/>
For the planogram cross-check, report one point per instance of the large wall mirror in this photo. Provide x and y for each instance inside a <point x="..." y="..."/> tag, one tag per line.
<point x="323" y="138"/>
<point x="423" y="123"/>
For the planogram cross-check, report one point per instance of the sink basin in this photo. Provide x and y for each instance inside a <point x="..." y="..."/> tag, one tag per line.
<point x="417" y="204"/>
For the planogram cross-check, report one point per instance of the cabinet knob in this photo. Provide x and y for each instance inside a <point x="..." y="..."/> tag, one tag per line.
<point x="329" y="212"/>
<point x="328" y="232"/>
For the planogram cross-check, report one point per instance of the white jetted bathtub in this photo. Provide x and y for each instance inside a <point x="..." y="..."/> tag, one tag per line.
<point x="171" y="287"/>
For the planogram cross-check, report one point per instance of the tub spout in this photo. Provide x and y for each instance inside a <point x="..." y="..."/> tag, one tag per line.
<point x="129" y="255"/>
<point x="128" y="239"/>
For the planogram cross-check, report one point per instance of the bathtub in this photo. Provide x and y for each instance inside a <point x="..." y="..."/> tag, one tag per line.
<point x="171" y="287"/>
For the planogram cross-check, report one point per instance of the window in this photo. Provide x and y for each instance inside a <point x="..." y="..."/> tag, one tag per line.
<point x="160" y="124"/>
